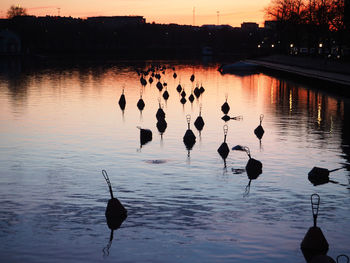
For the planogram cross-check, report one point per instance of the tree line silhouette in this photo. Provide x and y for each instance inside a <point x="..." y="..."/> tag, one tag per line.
<point x="67" y="35"/>
<point x="297" y="23"/>
<point x="311" y="21"/>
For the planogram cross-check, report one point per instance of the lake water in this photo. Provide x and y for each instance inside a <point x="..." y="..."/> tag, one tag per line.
<point x="60" y="126"/>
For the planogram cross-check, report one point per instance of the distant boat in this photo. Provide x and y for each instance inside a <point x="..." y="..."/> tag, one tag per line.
<point x="241" y="68"/>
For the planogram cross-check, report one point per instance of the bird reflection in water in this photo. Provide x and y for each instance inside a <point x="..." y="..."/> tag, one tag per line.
<point x="115" y="214"/>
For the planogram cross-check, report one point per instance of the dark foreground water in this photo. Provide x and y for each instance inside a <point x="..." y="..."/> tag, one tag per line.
<point x="59" y="127"/>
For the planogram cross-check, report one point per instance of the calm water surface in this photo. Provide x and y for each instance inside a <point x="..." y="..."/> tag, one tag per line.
<point x="59" y="127"/>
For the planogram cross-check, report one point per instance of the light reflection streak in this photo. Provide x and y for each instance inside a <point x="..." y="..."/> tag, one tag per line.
<point x="272" y="94"/>
<point x="319" y="117"/>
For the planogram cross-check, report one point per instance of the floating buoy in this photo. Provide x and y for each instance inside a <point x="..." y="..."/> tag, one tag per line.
<point x="318" y="176"/>
<point x="143" y="81"/>
<point x="174" y="75"/>
<point x="166" y="94"/>
<point x="196" y="92"/>
<point x="159" y="86"/>
<point x="189" y="138"/>
<point x="145" y="136"/>
<point x="314" y="242"/>
<point x="253" y="167"/>
<point x="160" y="113"/>
<point x="259" y="131"/>
<point x="161" y="126"/>
<point x="141" y="103"/>
<point x="179" y="88"/>
<point x="150" y="80"/>
<point x="199" y="122"/>
<point x="225" y="108"/>
<point x="223" y="150"/>
<point x="192" y="78"/>
<point x="191" y="98"/>
<point x="115" y="211"/>
<point x="201" y="89"/>
<point x="183" y="93"/>
<point x="122" y="101"/>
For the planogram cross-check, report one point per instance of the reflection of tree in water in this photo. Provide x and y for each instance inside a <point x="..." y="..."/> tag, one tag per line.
<point x="18" y="89"/>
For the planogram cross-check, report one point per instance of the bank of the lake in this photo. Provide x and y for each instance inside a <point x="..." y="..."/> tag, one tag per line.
<point x="330" y="74"/>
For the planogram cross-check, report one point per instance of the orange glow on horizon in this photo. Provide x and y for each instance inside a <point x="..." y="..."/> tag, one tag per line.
<point x="223" y="12"/>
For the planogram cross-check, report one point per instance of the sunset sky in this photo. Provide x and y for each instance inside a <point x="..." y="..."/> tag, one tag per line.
<point x="160" y="11"/>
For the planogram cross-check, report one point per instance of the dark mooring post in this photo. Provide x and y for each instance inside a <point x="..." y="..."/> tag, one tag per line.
<point x="179" y="88"/>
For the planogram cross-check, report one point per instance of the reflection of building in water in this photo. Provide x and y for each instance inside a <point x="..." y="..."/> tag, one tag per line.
<point x="291" y="99"/>
<point x="10" y="43"/>
<point x="301" y="110"/>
